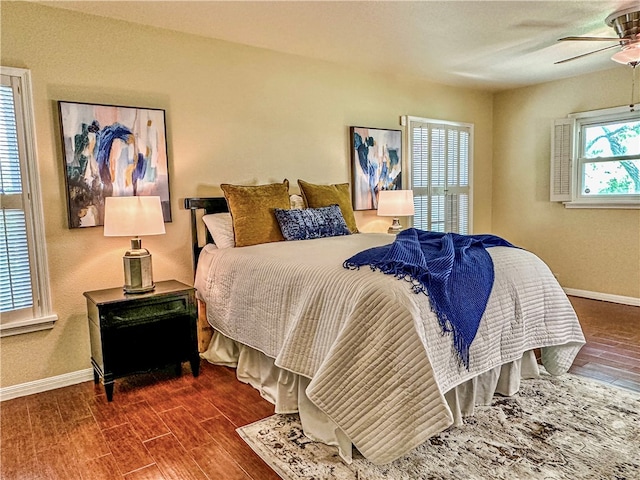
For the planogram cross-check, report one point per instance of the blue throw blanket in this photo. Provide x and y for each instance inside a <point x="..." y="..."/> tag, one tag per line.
<point x="455" y="270"/>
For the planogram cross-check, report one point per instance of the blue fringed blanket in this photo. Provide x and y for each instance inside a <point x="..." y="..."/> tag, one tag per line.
<point x="455" y="270"/>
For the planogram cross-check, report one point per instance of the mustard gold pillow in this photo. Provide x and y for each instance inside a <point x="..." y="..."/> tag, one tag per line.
<point x="252" y="211"/>
<point x="317" y="196"/>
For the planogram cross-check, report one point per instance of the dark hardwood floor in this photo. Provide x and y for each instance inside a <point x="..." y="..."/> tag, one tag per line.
<point x="612" y="352"/>
<point x="164" y="427"/>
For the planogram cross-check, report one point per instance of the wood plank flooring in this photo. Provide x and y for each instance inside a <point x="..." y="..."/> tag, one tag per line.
<point x="612" y="352"/>
<point x="164" y="427"/>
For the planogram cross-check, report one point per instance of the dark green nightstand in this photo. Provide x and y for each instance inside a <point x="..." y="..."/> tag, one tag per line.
<point x="133" y="333"/>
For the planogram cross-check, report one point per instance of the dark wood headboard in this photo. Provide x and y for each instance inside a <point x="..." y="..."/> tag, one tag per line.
<point x="209" y="205"/>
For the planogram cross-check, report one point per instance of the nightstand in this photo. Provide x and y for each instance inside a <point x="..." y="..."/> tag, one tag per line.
<point x="133" y="333"/>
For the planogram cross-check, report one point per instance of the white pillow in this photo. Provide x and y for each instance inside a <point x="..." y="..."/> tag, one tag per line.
<point x="220" y="227"/>
<point x="296" y="202"/>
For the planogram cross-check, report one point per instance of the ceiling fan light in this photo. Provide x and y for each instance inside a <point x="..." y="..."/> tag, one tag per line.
<point x="628" y="54"/>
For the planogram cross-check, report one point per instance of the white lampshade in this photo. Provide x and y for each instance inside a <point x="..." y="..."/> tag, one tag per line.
<point x="133" y="216"/>
<point x="395" y="203"/>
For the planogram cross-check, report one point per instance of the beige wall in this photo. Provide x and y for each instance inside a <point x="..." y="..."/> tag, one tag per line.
<point x="589" y="249"/>
<point x="234" y="114"/>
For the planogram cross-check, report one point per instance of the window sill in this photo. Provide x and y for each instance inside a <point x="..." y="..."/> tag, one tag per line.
<point x="630" y="205"/>
<point x="27" y="326"/>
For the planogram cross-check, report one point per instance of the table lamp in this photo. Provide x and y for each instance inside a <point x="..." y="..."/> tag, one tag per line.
<point x="133" y="217"/>
<point x="395" y="203"/>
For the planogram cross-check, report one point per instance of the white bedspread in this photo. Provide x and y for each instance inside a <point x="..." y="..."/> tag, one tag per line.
<point x="378" y="361"/>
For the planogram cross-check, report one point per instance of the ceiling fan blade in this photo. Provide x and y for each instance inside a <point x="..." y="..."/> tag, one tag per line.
<point x="585" y="54"/>
<point x="590" y="39"/>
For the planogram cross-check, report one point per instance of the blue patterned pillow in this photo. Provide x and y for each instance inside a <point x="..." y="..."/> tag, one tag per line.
<point x="304" y="224"/>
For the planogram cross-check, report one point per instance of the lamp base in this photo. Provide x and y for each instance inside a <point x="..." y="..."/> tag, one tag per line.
<point x="128" y="289"/>
<point x="395" y="227"/>
<point x="138" y="272"/>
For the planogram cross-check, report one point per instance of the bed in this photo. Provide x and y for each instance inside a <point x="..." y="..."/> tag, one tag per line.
<point x="356" y="353"/>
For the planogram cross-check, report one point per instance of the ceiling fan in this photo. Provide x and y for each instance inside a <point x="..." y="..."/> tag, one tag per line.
<point x="626" y="24"/>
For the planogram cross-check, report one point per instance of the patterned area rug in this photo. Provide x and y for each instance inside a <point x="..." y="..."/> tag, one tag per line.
<point x="566" y="427"/>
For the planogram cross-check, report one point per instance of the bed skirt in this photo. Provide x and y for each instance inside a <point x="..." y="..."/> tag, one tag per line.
<point x="286" y="390"/>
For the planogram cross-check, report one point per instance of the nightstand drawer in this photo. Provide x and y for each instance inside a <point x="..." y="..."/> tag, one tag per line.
<point x="139" y="346"/>
<point x="119" y="317"/>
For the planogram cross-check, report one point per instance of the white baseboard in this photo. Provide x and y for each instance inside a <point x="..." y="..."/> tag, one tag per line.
<point x="51" y="383"/>
<point x="605" y="297"/>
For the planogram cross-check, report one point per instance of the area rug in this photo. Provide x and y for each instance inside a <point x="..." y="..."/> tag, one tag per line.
<point x="563" y="427"/>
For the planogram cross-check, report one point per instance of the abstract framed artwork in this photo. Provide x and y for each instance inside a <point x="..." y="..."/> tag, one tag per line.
<point x="112" y="151"/>
<point x="376" y="164"/>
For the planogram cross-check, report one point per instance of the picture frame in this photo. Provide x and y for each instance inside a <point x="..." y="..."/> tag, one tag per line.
<point x="376" y="164"/>
<point x="112" y="150"/>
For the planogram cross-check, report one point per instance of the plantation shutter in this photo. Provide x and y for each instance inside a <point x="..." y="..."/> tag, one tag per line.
<point x="437" y="179"/>
<point x="16" y="292"/>
<point x="420" y="176"/>
<point x="561" y="159"/>
<point x="440" y="155"/>
<point x="457" y="186"/>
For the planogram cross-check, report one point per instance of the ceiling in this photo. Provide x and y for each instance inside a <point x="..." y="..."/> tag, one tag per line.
<point x="491" y="45"/>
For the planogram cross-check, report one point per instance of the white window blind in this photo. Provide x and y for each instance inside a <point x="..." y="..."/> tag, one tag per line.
<point x="440" y="174"/>
<point x="24" y="289"/>
<point x="15" y="274"/>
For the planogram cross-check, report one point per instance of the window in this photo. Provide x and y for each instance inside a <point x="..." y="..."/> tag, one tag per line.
<point x="596" y="159"/>
<point x="440" y="162"/>
<point x="25" y="304"/>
